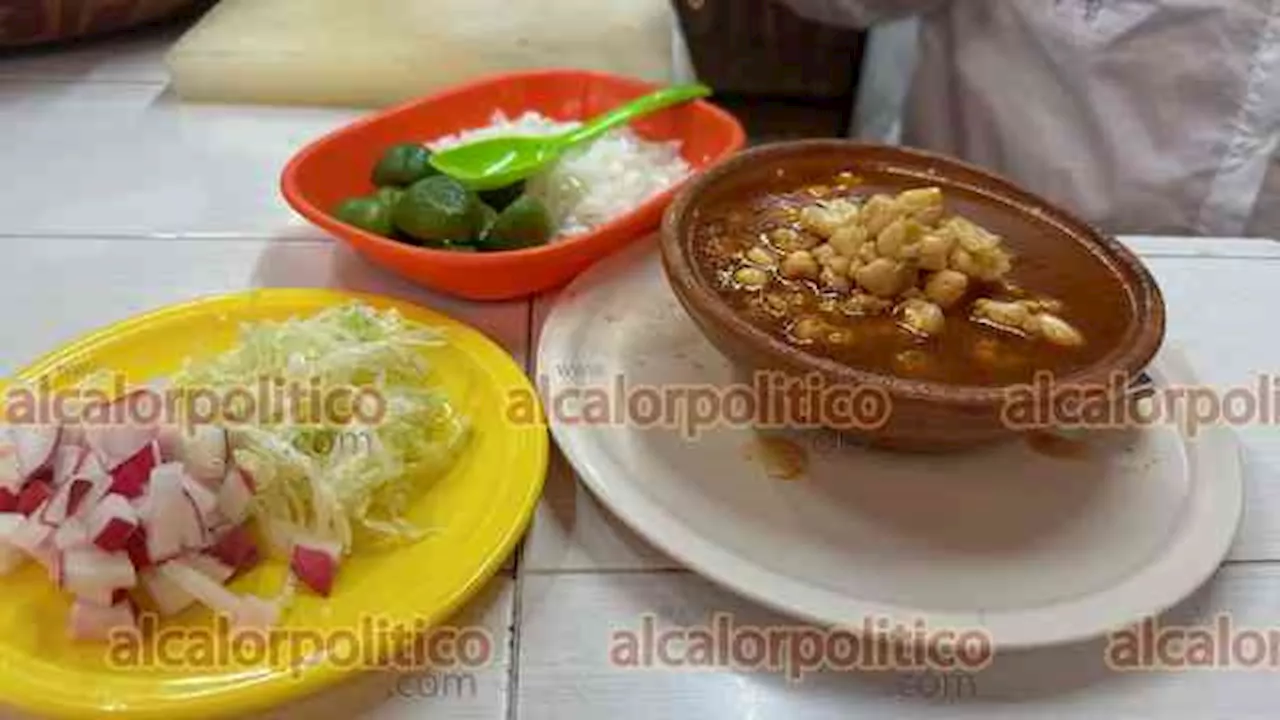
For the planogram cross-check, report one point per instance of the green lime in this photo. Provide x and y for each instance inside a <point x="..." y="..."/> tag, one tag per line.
<point x="389" y="196"/>
<point x="524" y="223"/>
<point x="437" y="208"/>
<point x="488" y="216"/>
<point x="403" y="164"/>
<point x="366" y="213"/>
<point x="502" y="197"/>
<point x="454" y="245"/>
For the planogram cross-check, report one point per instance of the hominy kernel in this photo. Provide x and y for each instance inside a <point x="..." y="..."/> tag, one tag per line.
<point x="762" y="256"/>
<point x="808" y="329"/>
<point x="1058" y="331"/>
<point x="832" y="280"/>
<point x="946" y="287"/>
<point x="880" y="277"/>
<point x="922" y="316"/>
<point x="800" y="264"/>
<point x="751" y="277"/>
<point x="848" y="239"/>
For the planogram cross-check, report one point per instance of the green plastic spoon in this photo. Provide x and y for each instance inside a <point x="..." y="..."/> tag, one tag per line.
<point x="499" y="162"/>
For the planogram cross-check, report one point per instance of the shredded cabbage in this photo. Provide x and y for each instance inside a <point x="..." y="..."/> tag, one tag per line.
<point x="326" y="477"/>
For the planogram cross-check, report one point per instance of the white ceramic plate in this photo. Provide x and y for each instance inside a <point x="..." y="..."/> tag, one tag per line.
<point x="1034" y="549"/>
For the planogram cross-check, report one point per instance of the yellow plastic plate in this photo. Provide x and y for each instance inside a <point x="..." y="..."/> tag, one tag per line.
<point x="479" y="510"/>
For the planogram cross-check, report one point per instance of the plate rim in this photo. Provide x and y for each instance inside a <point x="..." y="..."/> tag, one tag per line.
<point x="283" y="687"/>
<point x="1215" y="448"/>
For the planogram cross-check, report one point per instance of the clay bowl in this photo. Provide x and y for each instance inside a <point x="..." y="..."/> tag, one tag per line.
<point x="926" y="415"/>
<point x="47" y="22"/>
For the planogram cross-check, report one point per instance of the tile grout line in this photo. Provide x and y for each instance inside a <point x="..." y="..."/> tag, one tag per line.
<point x="513" y="671"/>
<point x="518" y="566"/>
<point x="530" y="358"/>
<point x="82" y="81"/>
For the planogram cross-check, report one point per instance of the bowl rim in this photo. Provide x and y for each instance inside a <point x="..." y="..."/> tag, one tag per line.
<point x="1135" y="350"/>
<point x="298" y="200"/>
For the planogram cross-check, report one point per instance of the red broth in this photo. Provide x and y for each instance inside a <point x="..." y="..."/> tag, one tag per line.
<point x="966" y="351"/>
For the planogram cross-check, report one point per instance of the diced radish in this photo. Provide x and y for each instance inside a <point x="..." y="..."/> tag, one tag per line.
<point x="100" y="596"/>
<point x="112" y="522"/>
<point x="201" y="498"/>
<point x="164" y="541"/>
<point x="165" y="594"/>
<point x="32" y="536"/>
<point x="130" y="477"/>
<point x="71" y="534"/>
<point x="114" y="444"/>
<point x="73" y="436"/>
<point x="116" y="503"/>
<point x="67" y="461"/>
<point x="195" y="537"/>
<point x="33" y="496"/>
<point x="9" y="500"/>
<point x="54" y="512"/>
<point x="169" y="442"/>
<point x="170" y="474"/>
<point x="87" y="570"/>
<point x="214" y="523"/>
<point x="80" y="490"/>
<point x="11" y="555"/>
<point x="204" y="453"/>
<point x="332" y="548"/>
<point x="10" y="524"/>
<point x="120" y="437"/>
<point x="68" y="501"/>
<point x="35" y="445"/>
<point x="210" y="566"/>
<point x="194" y="534"/>
<point x="89" y="567"/>
<point x="92" y="468"/>
<point x="247" y="611"/>
<point x="136" y="548"/>
<point x="257" y="613"/>
<point x="93" y="622"/>
<point x="169" y="517"/>
<point x="234" y="497"/>
<point x="209" y="592"/>
<point x="11" y="476"/>
<point x="237" y="548"/>
<point x="316" y="564"/>
<point x="99" y="489"/>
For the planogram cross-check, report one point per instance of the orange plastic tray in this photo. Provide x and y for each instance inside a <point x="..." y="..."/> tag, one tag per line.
<point x="338" y="166"/>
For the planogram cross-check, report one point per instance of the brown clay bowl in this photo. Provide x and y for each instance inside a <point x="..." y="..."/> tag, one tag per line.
<point x="31" y="23"/>
<point x="923" y="415"/>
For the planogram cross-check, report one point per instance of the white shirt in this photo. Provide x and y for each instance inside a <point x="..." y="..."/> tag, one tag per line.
<point x="1143" y="116"/>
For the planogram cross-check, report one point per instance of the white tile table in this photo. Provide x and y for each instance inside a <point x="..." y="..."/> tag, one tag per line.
<point x="119" y="199"/>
